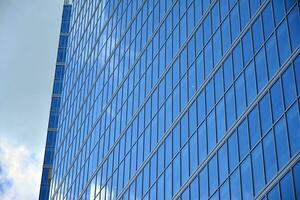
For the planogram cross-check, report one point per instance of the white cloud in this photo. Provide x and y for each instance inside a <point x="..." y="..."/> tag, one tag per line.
<point x="20" y="172"/>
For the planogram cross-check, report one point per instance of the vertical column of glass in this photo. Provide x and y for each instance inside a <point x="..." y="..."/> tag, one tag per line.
<point x="55" y="103"/>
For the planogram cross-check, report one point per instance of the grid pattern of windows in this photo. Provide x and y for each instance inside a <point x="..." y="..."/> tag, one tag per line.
<point x="55" y="104"/>
<point x="180" y="99"/>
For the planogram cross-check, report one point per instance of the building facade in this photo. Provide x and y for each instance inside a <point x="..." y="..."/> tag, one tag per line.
<point x="55" y="103"/>
<point x="180" y="99"/>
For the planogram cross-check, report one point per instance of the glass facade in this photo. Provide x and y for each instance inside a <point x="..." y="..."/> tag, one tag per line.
<point x="180" y="99"/>
<point x="55" y="104"/>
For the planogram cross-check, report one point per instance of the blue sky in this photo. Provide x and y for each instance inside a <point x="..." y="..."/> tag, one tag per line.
<point x="28" y="46"/>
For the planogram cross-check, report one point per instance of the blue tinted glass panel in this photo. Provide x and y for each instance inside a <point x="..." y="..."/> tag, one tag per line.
<point x="288" y="84"/>
<point x="233" y="152"/>
<point x="194" y="189"/>
<point x="283" y="44"/>
<point x="230" y="107"/>
<point x="274" y="193"/>
<point x="235" y="190"/>
<point x="244" y="12"/>
<point x="269" y="155"/>
<point x="268" y="21"/>
<point x="247" y="47"/>
<point x="258" y="174"/>
<point x="265" y="114"/>
<point x="223" y="163"/>
<point x="243" y="138"/>
<point x="276" y="98"/>
<point x="254" y="127"/>
<point x="203" y="184"/>
<point x="261" y="70"/>
<point x="296" y="173"/>
<point x="202" y="144"/>
<point x="247" y="192"/>
<point x="213" y="174"/>
<point x="286" y="187"/>
<point x="293" y="125"/>
<point x="294" y="24"/>
<point x="278" y="7"/>
<point x="272" y="56"/>
<point x="257" y="34"/>
<point x="250" y="83"/>
<point x="240" y="96"/>
<point x="281" y="143"/>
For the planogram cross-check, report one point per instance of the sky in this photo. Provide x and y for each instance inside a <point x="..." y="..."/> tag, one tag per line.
<point x="28" y="45"/>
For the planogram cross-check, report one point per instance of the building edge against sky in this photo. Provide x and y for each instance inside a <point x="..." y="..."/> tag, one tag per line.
<point x="55" y="103"/>
<point x="180" y="99"/>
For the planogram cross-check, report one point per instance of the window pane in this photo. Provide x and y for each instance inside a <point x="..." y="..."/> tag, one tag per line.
<point x="243" y="138"/>
<point x="265" y="114"/>
<point x="230" y="108"/>
<point x="261" y="72"/>
<point x="235" y="185"/>
<point x="223" y="8"/>
<point x="254" y="127"/>
<point x="247" y="47"/>
<point x="224" y="191"/>
<point x="274" y="193"/>
<point x="257" y="34"/>
<point x="176" y="139"/>
<point x="202" y="146"/>
<point x="246" y="179"/>
<point x="213" y="175"/>
<point x="168" y="186"/>
<point x="193" y="153"/>
<point x="234" y="17"/>
<point x="210" y="98"/>
<point x="219" y="88"/>
<point x="258" y="174"/>
<point x="237" y="60"/>
<point x="223" y="163"/>
<point x="208" y="59"/>
<point x="184" y="129"/>
<point x="226" y="34"/>
<point x="203" y="184"/>
<point x="221" y="126"/>
<point x="283" y="44"/>
<point x="194" y="189"/>
<point x="293" y="124"/>
<point x="207" y="28"/>
<point x="269" y="155"/>
<point x="240" y="95"/>
<point x="281" y="143"/>
<point x="297" y="73"/>
<point x="176" y="173"/>
<point x="286" y="187"/>
<point x="272" y="56"/>
<point x="211" y="131"/>
<point x="296" y="172"/>
<point x="201" y="106"/>
<point x="233" y="151"/>
<point x="278" y="10"/>
<point x="217" y="47"/>
<point x="294" y="24"/>
<point x="244" y="12"/>
<point x="200" y="70"/>
<point x="268" y="20"/>
<point x="228" y="72"/>
<point x="276" y="98"/>
<point x="215" y="17"/>
<point x="185" y="163"/>
<point x="250" y="83"/>
<point x="289" y="89"/>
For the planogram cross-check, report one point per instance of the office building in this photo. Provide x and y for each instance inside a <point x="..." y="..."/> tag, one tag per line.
<point x="180" y="99"/>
